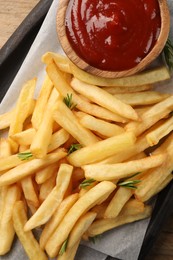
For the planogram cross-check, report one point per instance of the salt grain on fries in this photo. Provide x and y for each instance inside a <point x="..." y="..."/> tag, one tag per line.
<point x="75" y="157"/>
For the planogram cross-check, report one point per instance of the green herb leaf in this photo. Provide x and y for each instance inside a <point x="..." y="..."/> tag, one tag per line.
<point x="168" y="54"/>
<point x="68" y="101"/>
<point x="63" y="247"/>
<point x="25" y="156"/>
<point x="73" y="148"/>
<point x="86" y="183"/>
<point x="94" y="239"/>
<point x="137" y="173"/>
<point x="129" y="184"/>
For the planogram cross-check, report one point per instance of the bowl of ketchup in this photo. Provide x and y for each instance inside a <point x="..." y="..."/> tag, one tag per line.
<point x="113" y="38"/>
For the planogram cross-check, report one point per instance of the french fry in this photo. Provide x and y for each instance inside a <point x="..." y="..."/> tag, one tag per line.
<point x="64" y="88"/>
<point x="102" y="149"/>
<point x="10" y="162"/>
<point x="41" y="103"/>
<point x="27" y="239"/>
<point x="47" y="187"/>
<point x="58" y="138"/>
<point x="25" y="137"/>
<point x="6" y="226"/>
<point x="124" y="89"/>
<point x="53" y="200"/>
<point x="102" y="225"/>
<point x="152" y="180"/>
<point x="164" y="129"/>
<point x="90" y="199"/>
<point x="65" y="117"/>
<point x="109" y="172"/>
<point x="24" y="104"/>
<point x="61" y="61"/>
<point x="46" y="173"/>
<point x="79" y="228"/>
<point x="43" y="135"/>
<point x="145" y="77"/>
<point x="161" y="186"/>
<point x="5" y="149"/>
<point x="104" y="99"/>
<point x="100" y="126"/>
<point x="133" y="207"/>
<point x="30" y="192"/>
<point x="140" y="145"/>
<point x="29" y="168"/>
<point x="152" y="116"/>
<point x="116" y="204"/>
<point x="142" y="98"/>
<point x="5" y="119"/>
<point x="69" y="253"/>
<point x="57" y="217"/>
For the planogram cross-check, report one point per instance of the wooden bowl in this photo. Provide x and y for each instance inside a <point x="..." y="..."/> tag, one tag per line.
<point x="152" y="55"/>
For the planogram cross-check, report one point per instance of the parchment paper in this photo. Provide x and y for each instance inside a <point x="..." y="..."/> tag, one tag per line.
<point x="123" y="242"/>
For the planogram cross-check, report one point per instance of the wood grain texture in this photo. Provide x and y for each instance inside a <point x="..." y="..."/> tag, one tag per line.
<point x="12" y="12"/>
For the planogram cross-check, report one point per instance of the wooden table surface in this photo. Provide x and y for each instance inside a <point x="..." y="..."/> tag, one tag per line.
<point x="12" y="12"/>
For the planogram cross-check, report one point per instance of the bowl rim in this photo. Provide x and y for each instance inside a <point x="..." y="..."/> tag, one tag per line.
<point x="151" y="56"/>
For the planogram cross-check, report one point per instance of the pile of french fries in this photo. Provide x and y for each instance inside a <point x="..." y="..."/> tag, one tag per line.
<point x="74" y="163"/>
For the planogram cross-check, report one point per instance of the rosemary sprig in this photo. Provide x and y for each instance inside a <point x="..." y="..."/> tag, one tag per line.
<point x="63" y="247"/>
<point x="68" y="101"/>
<point x="86" y="183"/>
<point x="25" y="156"/>
<point x="168" y="54"/>
<point x="73" y="148"/>
<point x="94" y="239"/>
<point x="129" y="184"/>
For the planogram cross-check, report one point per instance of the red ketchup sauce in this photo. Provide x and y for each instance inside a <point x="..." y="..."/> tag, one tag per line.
<point x="113" y="35"/>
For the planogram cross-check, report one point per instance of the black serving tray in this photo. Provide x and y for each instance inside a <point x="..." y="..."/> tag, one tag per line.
<point x="12" y="55"/>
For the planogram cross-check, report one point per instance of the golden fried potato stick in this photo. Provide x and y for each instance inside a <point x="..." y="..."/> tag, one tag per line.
<point x="104" y="99"/>
<point x="69" y="253"/>
<point x="61" y="61"/>
<point x="145" y="77"/>
<point x="27" y="239"/>
<point x="142" y="98"/>
<point x="47" y="187"/>
<point x="24" y="104"/>
<point x="153" y="179"/>
<point x="64" y="88"/>
<point x="30" y="192"/>
<point x="58" y="138"/>
<point x="98" y="125"/>
<point x="44" y="174"/>
<point x="90" y="199"/>
<point x="30" y="167"/>
<point x="65" y="117"/>
<point x="124" y="89"/>
<point x="122" y="195"/>
<point x="12" y="194"/>
<point x="156" y="135"/>
<point x="110" y="172"/>
<point x="5" y="119"/>
<point x="41" y="102"/>
<point x="102" y="225"/>
<point x="80" y="228"/>
<point x="53" y="200"/>
<point x="102" y="149"/>
<point x="57" y="217"/>
<point x="43" y="135"/>
<point x="5" y="149"/>
<point x="151" y="116"/>
<point x="25" y="137"/>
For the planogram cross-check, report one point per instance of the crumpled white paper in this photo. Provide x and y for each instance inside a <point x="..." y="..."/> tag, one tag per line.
<point x="123" y="242"/>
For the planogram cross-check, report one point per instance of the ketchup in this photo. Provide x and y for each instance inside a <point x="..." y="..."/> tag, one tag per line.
<point x="113" y="35"/>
